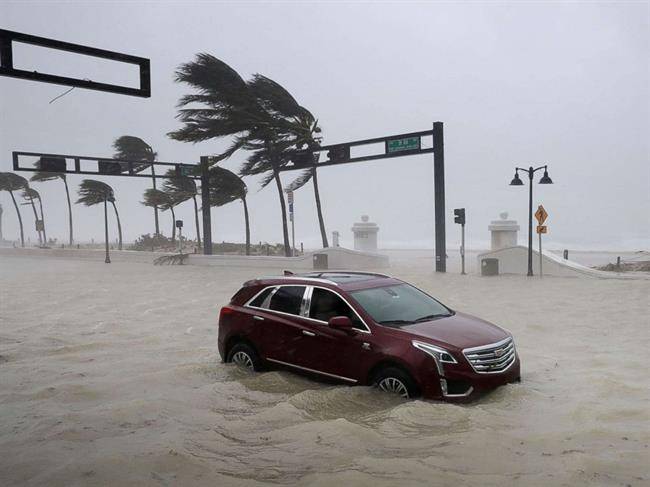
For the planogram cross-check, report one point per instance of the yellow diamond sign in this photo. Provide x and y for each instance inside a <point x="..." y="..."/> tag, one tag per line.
<point x="541" y="215"/>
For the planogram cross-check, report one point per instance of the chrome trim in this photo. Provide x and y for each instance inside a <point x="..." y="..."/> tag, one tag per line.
<point x="306" y="302"/>
<point x="354" y="381"/>
<point x="258" y="318"/>
<point x="484" y="358"/>
<point x="443" y="388"/>
<point x="308" y="333"/>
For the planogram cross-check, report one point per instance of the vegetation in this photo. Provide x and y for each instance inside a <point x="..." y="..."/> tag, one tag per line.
<point x="259" y="115"/>
<point x="180" y="189"/>
<point x="42" y="176"/>
<point x="225" y="187"/>
<point x="13" y="182"/>
<point x="30" y="195"/>
<point x="92" y="192"/>
<point x="135" y="149"/>
<point x="163" y="200"/>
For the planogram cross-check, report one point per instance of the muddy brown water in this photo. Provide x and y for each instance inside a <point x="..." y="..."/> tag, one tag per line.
<point x="109" y="375"/>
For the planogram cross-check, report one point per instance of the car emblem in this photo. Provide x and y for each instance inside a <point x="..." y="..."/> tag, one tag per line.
<point x="498" y="352"/>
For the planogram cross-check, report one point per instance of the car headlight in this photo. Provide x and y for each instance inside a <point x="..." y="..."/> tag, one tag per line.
<point x="440" y="354"/>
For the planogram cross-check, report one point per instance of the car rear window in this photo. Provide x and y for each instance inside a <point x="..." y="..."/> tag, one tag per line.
<point x="259" y="300"/>
<point x="288" y="299"/>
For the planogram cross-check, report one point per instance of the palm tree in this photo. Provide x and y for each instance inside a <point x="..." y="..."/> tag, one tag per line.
<point x="260" y="114"/>
<point x="163" y="200"/>
<point x="225" y="187"/>
<point x="135" y="149"/>
<point x="41" y="176"/>
<point x="182" y="188"/>
<point x="30" y="195"/>
<point x="13" y="182"/>
<point x="93" y="192"/>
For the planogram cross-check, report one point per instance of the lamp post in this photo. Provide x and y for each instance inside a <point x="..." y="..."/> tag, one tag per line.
<point x="516" y="181"/>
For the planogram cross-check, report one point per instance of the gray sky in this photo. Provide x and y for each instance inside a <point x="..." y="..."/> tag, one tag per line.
<point x="563" y="84"/>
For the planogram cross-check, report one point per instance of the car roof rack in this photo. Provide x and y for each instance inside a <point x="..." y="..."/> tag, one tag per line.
<point x="318" y="274"/>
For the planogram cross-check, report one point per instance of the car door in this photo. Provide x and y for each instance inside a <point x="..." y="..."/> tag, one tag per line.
<point x="333" y="352"/>
<point x="276" y="316"/>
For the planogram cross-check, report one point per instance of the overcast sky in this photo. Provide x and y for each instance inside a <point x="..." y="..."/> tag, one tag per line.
<point x="515" y="83"/>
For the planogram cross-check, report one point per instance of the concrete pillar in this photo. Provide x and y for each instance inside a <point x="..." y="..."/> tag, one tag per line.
<point x="365" y="235"/>
<point x="504" y="232"/>
<point x="335" y="238"/>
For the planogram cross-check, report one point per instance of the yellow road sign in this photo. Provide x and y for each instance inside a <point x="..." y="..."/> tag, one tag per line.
<point x="542" y="229"/>
<point x="541" y="215"/>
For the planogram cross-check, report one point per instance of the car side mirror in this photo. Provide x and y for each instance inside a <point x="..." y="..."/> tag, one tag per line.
<point x="342" y="323"/>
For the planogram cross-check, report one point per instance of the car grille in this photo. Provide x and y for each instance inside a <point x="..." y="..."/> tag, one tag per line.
<point x="492" y="358"/>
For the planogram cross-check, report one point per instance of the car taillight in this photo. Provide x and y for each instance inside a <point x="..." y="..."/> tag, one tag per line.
<point x="225" y="311"/>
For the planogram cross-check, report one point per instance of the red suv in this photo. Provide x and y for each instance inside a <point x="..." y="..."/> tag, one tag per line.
<point x="363" y="328"/>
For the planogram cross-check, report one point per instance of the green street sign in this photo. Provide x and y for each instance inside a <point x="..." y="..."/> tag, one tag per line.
<point x="184" y="170"/>
<point x="401" y="145"/>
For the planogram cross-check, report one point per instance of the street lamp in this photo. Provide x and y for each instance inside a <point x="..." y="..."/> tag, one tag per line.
<point x="516" y="181"/>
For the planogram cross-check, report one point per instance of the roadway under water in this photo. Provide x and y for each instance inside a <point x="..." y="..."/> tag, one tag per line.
<point x="110" y="376"/>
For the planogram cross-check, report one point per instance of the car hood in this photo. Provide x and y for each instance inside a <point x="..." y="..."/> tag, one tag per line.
<point x="457" y="331"/>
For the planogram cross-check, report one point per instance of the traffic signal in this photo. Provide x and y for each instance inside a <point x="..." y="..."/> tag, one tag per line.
<point x="52" y="164"/>
<point x="339" y="153"/>
<point x="459" y="216"/>
<point x="184" y="170"/>
<point x="108" y="167"/>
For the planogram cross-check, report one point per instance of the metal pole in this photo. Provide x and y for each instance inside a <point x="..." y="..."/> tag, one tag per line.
<point x="439" y="196"/>
<point x="530" y="222"/>
<point x="180" y="239"/>
<point x="205" y="206"/>
<point x="293" y="236"/>
<point x="107" y="260"/>
<point x="540" y="255"/>
<point x="462" y="249"/>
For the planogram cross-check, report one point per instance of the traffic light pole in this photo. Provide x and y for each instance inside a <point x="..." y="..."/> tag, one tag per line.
<point x="205" y="205"/>
<point x="462" y="249"/>
<point x="439" y="196"/>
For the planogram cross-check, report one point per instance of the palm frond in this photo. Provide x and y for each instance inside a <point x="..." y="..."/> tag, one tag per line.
<point x="12" y="182"/>
<point x="92" y="192"/>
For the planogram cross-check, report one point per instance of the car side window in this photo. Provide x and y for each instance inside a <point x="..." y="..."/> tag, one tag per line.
<point x="288" y="299"/>
<point x="325" y="305"/>
<point x="258" y="302"/>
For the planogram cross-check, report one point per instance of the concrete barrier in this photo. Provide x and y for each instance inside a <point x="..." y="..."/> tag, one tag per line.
<point x="514" y="260"/>
<point x="337" y="258"/>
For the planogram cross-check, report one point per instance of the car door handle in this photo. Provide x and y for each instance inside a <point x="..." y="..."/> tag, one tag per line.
<point x="258" y="318"/>
<point x="308" y="333"/>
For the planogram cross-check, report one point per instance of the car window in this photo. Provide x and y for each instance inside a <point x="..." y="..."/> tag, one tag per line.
<point x="325" y="305"/>
<point x="288" y="299"/>
<point x="399" y="304"/>
<point x="259" y="300"/>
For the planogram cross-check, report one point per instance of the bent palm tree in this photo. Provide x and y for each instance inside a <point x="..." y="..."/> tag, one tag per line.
<point x="225" y="187"/>
<point x="93" y="192"/>
<point x="261" y="116"/>
<point x="30" y="195"/>
<point x="135" y="149"/>
<point x="163" y="200"/>
<point x="182" y="188"/>
<point x="42" y="176"/>
<point x="13" y="182"/>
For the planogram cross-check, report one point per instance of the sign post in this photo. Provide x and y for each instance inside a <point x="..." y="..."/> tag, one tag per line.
<point x="459" y="217"/>
<point x="541" y="217"/>
<point x="179" y="225"/>
<point x="293" y="225"/>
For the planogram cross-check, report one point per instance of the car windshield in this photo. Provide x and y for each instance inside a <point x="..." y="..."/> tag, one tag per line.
<point x="399" y="305"/>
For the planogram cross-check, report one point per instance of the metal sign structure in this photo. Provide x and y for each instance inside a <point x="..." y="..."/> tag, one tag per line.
<point x="8" y="38"/>
<point x="541" y="215"/>
<point x="394" y="146"/>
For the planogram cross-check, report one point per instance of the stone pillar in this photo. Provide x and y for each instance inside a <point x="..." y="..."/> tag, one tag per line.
<point x="365" y="235"/>
<point x="335" y="238"/>
<point x="504" y="232"/>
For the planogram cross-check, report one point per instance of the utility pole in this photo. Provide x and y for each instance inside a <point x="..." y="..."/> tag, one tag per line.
<point x="439" y="196"/>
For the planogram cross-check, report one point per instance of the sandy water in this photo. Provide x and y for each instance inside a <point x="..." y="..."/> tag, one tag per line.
<point x="109" y="375"/>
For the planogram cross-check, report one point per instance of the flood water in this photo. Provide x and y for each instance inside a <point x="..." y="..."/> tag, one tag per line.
<point x="110" y="376"/>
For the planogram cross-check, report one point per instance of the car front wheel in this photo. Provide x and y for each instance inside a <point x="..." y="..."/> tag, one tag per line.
<point x="396" y="381"/>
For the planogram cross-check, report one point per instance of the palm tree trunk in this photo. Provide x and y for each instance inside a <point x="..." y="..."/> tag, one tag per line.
<point x="40" y="205"/>
<point x="67" y="194"/>
<point x="40" y="239"/>
<point x="119" y="226"/>
<point x="107" y="259"/>
<point x="321" y="222"/>
<point x="196" y="222"/>
<point x="155" y="208"/>
<point x="285" y="230"/>
<point x="248" y="228"/>
<point x="20" y="220"/>
<point x="173" y="225"/>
